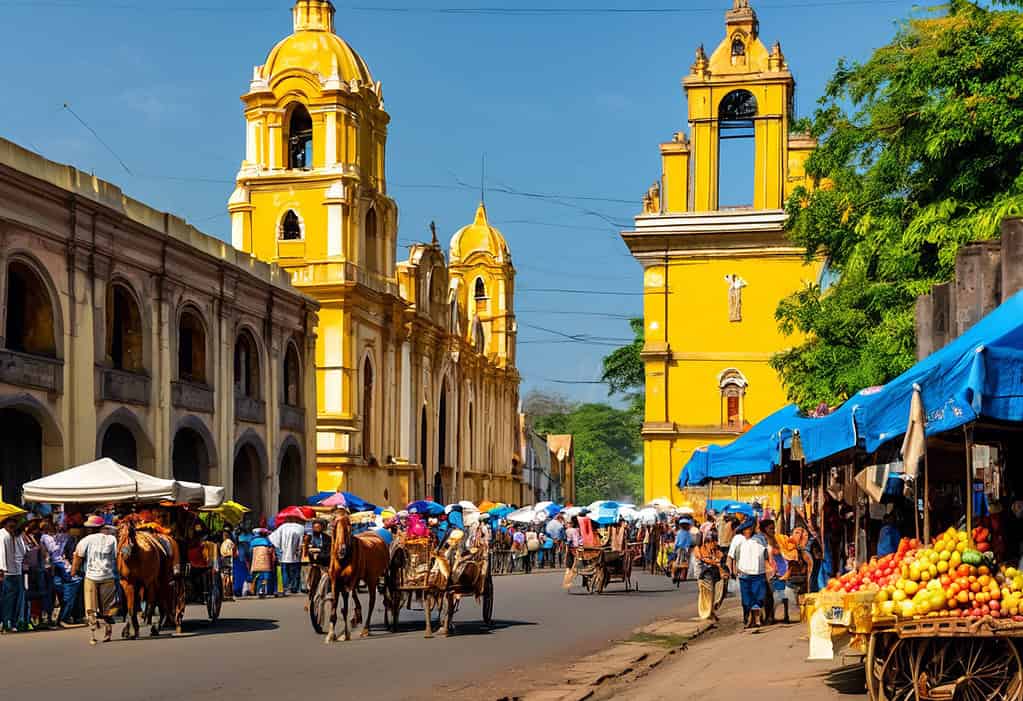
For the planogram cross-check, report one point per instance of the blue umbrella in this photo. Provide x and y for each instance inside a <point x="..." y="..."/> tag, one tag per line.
<point x="426" y="508"/>
<point x="739" y="507"/>
<point x="500" y="511"/>
<point x="554" y="509"/>
<point x="357" y="504"/>
<point x="318" y="497"/>
<point x="606" y="514"/>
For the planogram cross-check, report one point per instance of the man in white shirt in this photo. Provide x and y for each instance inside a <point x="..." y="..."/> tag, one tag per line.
<point x="99" y="551"/>
<point x="12" y="585"/>
<point x="747" y="559"/>
<point x="287" y="539"/>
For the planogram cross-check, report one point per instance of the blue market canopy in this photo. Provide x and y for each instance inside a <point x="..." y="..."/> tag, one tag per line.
<point x="426" y="508"/>
<point x="975" y="376"/>
<point x="357" y="504"/>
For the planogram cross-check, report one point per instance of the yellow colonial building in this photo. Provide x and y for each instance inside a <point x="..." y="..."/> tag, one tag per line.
<point x="713" y="275"/>
<point x="416" y="383"/>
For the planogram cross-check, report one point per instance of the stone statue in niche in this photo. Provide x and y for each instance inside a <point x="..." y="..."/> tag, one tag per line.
<point x="652" y="200"/>
<point x="735" y="285"/>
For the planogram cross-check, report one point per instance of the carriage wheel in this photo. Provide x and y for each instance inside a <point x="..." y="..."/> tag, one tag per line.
<point x="901" y="670"/>
<point x="488" y="601"/>
<point x="397" y="599"/>
<point x="878" y="647"/>
<point x="971" y="669"/>
<point x="214" y="595"/>
<point x="319" y="605"/>
<point x="600" y="580"/>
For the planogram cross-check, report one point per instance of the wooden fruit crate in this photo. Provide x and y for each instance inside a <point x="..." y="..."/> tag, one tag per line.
<point x="959" y="628"/>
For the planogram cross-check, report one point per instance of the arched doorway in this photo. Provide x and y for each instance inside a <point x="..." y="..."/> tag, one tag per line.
<point x="124" y="330"/>
<point x="442" y="428"/>
<point x="424" y="456"/>
<point x="246" y="366"/>
<point x="21" y="453"/>
<point x="191" y="347"/>
<point x="248" y="483"/>
<point x="290" y="478"/>
<point x="190" y="458"/>
<point x="119" y="445"/>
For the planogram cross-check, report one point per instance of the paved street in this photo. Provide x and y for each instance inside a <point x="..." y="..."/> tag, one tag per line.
<point x="267" y="650"/>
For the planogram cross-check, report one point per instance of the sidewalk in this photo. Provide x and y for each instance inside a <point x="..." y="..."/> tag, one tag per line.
<point x="769" y="665"/>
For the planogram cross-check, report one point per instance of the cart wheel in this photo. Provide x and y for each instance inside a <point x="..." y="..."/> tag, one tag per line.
<point x="319" y="605"/>
<point x="214" y="595"/>
<point x="878" y="647"/>
<point x="964" y="669"/>
<point x="901" y="670"/>
<point x="600" y="580"/>
<point x="488" y="601"/>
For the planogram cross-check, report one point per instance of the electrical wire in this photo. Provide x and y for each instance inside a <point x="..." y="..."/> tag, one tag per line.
<point x="612" y="293"/>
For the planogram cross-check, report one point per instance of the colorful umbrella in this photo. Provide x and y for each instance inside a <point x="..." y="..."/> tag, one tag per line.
<point x="487" y="505"/>
<point x="10" y="510"/>
<point x="302" y="513"/>
<point x="426" y="508"/>
<point x="500" y="511"/>
<point x="336" y="499"/>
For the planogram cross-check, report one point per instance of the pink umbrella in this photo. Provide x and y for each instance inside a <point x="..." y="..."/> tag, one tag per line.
<point x="336" y="499"/>
<point x="302" y="513"/>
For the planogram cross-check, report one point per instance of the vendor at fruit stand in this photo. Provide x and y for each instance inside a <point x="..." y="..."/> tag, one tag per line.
<point x="888" y="539"/>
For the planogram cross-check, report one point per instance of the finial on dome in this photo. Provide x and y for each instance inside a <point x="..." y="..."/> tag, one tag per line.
<point x="313" y="16"/>
<point x="433" y="233"/>
<point x="743" y="16"/>
<point x="481" y="216"/>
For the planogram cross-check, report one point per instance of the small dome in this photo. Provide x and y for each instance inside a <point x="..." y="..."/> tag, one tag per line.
<point x="315" y="47"/>
<point x="479" y="236"/>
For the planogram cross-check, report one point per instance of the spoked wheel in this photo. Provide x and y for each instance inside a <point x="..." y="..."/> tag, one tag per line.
<point x="971" y="669"/>
<point x="488" y="601"/>
<point x="319" y="605"/>
<point x="878" y="647"/>
<point x="901" y="670"/>
<point x="214" y="595"/>
<point x="600" y="580"/>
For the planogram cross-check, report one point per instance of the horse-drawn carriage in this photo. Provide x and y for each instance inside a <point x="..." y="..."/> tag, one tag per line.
<point x="440" y="577"/>
<point x="602" y="565"/>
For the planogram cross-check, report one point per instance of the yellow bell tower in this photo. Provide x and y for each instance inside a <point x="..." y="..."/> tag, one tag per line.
<point x="713" y="275"/>
<point x="311" y="196"/>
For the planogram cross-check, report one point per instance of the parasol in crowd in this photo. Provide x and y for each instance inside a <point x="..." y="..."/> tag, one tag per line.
<point x="500" y="511"/>
<point x="425" y="508"/>
<point x="231" y="511"/>
<point x="10" y="510"/>
<point x="523" y="515"/>
<point x="661" y="504"/>
<point x="300" y="513"/>
<point x="486" y="505"/>
<point x="336" y="499"/>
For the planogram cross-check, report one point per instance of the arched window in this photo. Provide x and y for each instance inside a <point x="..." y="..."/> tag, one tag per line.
<point x="300" y="139"/>
<point x="732" y="385"/>
<point x="372" y="243"/>
<point x="191" y="347"/>
<point x="124" y="330"/>
<point x="736" y="148"/>
<point x="479" y="340"/>
<point x="738" y="47"/>
<point x="29" y="326"/>
<point x="292" y="377"/>
<point x="480" y="291"/>
<point x="246" y="366"/>
<point x="291" y="227"/>
<point x="367" y="409"/>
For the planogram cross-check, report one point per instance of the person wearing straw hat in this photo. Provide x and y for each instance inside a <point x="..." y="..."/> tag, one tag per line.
<point x="98" y="550"/>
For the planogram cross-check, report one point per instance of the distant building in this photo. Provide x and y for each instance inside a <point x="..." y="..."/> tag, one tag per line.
<point x="712" y="274"/>
<point x="129" y="334"/>
<point x="415" y="360"/>
<point x="562" y="450"/>
<point x="548" y="465"/>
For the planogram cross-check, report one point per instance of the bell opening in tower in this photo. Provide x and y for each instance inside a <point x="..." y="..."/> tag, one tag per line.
<point x="300" y="139"/>
<point x="736" y="149"/>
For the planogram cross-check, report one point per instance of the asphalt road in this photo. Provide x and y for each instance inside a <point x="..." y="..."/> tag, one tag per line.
<point x="267" y="649"/>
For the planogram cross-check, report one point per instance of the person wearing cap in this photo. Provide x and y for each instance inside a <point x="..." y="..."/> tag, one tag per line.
<point x="262" y="563"/>
<point x="59" y="545"/>
<point x="98" y="550"/>
<point x="11" y="580"/>
<point x="747" y="559"/>
<point x="683" y="544"/>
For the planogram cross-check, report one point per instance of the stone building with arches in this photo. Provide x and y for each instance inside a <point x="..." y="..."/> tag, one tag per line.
<point x="715" y="257"/>
<point x="127" y="333"/>
<point x="417" y="390"/>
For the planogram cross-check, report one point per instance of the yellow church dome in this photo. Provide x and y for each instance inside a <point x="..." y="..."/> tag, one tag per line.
<point x="315" y="47"/>
<point x="479" y="236"/>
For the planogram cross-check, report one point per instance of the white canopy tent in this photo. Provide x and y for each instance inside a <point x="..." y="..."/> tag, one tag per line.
<point x="104" y="480"/>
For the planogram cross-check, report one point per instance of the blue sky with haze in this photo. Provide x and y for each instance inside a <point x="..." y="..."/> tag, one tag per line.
<point x="570" y="104"/>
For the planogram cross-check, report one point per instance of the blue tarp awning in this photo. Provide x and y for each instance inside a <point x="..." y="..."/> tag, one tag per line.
<point x="977" y="375"/>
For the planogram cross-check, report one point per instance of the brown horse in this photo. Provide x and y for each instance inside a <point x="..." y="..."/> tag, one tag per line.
<point x="353" y="559"/>
<point x="146" y="563"/>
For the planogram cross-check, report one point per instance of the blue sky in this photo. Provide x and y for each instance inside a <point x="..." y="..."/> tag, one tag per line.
<point x="569" y="104"/>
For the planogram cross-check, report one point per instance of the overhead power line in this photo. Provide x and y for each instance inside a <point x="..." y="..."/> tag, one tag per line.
<point x="612" y="293"/>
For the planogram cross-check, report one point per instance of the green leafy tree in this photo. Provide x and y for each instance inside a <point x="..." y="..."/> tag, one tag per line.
<point x="624" y="372"/>
<point x="605" y="449"/>
<point x="920" y="152"/>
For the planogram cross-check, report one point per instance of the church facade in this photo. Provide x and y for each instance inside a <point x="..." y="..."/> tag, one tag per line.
<point x="713" y="275"/>
<point x="417" y="389"/>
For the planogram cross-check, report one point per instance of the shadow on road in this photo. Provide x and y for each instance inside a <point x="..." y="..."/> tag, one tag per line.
<point x="468" y="627"/>
<point x="849" y="679"/>
<point x="226" y="626"/>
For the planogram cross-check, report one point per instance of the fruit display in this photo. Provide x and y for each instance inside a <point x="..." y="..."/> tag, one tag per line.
<point x="956" y="576"/>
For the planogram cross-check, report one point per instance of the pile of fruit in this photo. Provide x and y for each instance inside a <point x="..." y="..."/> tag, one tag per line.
<point x="956" y="576"/>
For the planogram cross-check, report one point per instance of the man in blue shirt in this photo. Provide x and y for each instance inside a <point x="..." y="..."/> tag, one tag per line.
<point x="683" y="543"/>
